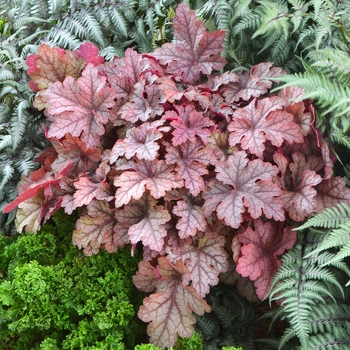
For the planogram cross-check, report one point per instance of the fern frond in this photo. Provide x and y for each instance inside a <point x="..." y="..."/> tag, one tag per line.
<point x="6" y="175"/>
<point x="334" y="60"/>
<point x="329" y="218"/>
<point x="230" y="321"/>
<point x="304" y="284"/>
<point x="207" y="326"/>
<point x="275" y="18"/>
<point x="19" y="123"/>
<point x="25" y="165"/>
<point x="93" y="27"/>
<point x="55" y="5"/>
<point x="142" y="38"/>
<point x="31" y="38"/>
<point x="6" y="74"/>
<point x="338" y="219"/>
<point x="318" y="86"/>
<point x="326" y="340"/>
<point x="118" y="20"/>
<point x="251" y="20"/>
<point x="336" y="313"/>
<point x="5" y="141"/>
<point x="60" y="37"/>
<point x="24" y="21"/>
<point x="39" y="8"/>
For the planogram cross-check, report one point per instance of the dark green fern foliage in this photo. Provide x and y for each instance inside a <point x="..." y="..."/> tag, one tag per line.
<point x="231" y="321"/>
<point x="278" y="30"/>
<point x="312" y="296"/>
<point x="53" y="297"/>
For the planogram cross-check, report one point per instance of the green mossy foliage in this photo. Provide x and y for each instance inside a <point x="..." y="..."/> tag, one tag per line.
<point x="53" y="297"/>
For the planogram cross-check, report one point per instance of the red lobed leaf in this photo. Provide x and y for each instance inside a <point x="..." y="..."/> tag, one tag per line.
<point x="131" y="68"/>
<point x="80" y="107"/>
<point x="302" y="117"/>
<point x="28" y="214"/>
<point x="53" y="64"/>
<point x="194" y="51"/>
<point x="191" y="160"/>
<point x="188" y="123"/>
<point x="263" y="120"/>
<point x="155" y="176"/>
<point x="150" y="227"/>
<point x="253" y="84"/>
<point x="90" y="228"/>
<point x="191" y="220"/>
<point x="301" y="202"/>
<point x="204" y="262"/>
<point x="330" y="192"/>
<point x="261" y="247"/>
<point x="90" y="53"/>
<point x="88" y="190"/>
<point x="299" y="183"/>
<point x="215" y="82"/>
<point x="126" y="217"/>
<point x="243" y="184"/>
<point x="147" y="278"/>
<point x="139" y="141"/>
<point x="170" y="310"/>
<point x="73" y="152"/>
<point x="144" y="103"/>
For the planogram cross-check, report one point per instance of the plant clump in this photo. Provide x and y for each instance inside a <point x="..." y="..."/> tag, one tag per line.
<point x="163" y="151"/>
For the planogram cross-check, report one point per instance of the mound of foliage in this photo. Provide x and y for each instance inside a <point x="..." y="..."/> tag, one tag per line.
<point x="197" y="167"/>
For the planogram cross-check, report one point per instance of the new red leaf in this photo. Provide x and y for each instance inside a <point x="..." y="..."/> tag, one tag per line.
<point x="90" y="53"/>
<point x="243" y="184"/>
<point x="40" y="179"/>
<point x="260" y="250"/>
<point x="263" y="120"/>
<point x="194" y="51"/>
<point x="80" y="107"/>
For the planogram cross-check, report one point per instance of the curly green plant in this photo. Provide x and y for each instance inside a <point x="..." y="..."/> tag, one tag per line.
<point x="52" y="297"/>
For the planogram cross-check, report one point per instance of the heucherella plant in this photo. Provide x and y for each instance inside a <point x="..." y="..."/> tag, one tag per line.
<point x="163" y="151"/>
